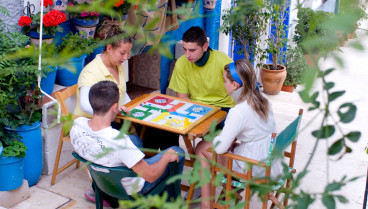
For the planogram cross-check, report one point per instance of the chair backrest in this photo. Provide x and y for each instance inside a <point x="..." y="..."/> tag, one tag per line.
<point x="108" y="179"/>
<point x="63" y="96"/>
<point x="286" y="137"/>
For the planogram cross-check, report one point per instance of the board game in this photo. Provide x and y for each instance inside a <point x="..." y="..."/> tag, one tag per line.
<point x="169" y="113"/>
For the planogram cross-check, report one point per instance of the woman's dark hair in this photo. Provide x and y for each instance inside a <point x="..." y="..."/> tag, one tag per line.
<point x="250" y="92"/>
<point x="195" y="34"/>
<point x="111" y="29"/>
<point x="102" y="96"/>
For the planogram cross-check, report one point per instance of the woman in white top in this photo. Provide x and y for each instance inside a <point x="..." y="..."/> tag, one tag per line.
<point x="250" y="122"/>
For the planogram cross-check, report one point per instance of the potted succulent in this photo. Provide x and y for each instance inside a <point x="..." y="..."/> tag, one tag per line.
<point x="296" y="66"/>
<point x="273" y="75"/>
<point x="310" y="34"/>
<point x="77" y="49"/>
<point x="247" y="23"/>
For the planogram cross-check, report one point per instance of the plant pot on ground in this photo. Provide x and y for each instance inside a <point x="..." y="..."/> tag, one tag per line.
<point x="273" y="75"/>
<point x="296" y="66"/>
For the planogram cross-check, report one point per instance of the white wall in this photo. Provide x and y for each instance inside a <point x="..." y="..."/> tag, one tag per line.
<point x="224" y="39"/>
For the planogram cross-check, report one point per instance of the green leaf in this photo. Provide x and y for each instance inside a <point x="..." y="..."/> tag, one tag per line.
<point x="334" y="186"/>
<point x="357" y="45"/>
<point x="329" y="201"/>
<point x="347" y="112"/>
<point x="335" y="95"/>
<point x="336" y="147"/>
<point x="348" y="150"/>
<point x="329" y="85"/>
<point x="324" y="132"/>
<point x="328" y="71"/>
<point x="342" y="199"/>
<point x="354" y="136"/>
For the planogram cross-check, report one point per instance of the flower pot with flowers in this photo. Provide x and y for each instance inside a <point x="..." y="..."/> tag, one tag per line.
<point x="20" y="110"/>
<point x="51" y="22"/>
<point x="85" y="21"/>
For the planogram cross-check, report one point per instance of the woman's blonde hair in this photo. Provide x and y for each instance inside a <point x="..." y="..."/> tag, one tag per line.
<point x="250" y="91"/>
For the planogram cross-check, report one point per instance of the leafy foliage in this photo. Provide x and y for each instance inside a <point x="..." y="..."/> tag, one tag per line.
<point x="73" y="45"/>
<point x="14" y="148"/>
<point x="311" y="34"/>
<point x="247" y="25"/>
<point x="296" y="65"/>
<point x="277" y="40"/>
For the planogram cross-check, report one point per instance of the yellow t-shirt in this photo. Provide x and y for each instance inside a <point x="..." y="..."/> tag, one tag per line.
<point x="203" y="84"/>
<point x="95" y="72"/>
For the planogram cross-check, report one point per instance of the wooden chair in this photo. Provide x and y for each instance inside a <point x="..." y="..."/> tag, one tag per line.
<point x="108" y="180"/>
<point x="236" y="181"/>
<point x="61" y="97"/>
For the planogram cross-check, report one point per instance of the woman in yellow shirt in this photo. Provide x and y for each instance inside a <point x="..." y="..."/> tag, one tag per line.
<point x="106" y="66"/>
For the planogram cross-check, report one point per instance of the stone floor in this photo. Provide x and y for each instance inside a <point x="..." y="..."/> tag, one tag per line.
<point x="71" y="184"/>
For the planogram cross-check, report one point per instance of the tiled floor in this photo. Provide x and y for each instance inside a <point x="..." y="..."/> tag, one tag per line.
<point x="71" y="184"/>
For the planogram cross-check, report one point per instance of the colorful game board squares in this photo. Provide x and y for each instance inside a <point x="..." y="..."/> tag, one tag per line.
<point x="201" y="110"/>
<point x="162" y="101"/>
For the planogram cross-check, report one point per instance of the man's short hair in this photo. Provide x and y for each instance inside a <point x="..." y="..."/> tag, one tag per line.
<point x="102" y="96"/>
<point x="195" y="34"/>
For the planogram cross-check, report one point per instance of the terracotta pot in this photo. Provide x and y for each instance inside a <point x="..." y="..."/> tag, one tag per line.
<point x="272" y="80"/>
<point x="287" y="88"/>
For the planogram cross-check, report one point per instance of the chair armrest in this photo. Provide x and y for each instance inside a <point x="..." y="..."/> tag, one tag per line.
<point x="238" y="157"/>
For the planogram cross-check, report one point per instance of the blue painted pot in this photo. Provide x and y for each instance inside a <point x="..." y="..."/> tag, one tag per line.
<point x="95" y="52"/>
<point x="48" y="82"/>
<point x="33" y="162"/>
<point x="85" y="22"/>
<point x="67" y="74"/>
<point x="67" y="27"/>
<point x="11" y="173"/>
<point x="36" y="35"/>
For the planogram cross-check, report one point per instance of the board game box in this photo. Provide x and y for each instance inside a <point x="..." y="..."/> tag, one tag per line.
<point x="169" y="113"/>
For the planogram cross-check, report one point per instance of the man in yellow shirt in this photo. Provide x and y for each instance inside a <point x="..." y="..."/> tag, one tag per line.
<point x="197" y="75"/>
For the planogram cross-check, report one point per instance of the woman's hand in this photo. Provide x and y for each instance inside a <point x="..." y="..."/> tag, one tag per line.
<point x="233" y="145"/>
<point x="125" y="109"/>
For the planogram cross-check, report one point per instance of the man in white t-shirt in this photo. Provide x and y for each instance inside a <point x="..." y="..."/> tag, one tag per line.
<point x="91" y="137"/>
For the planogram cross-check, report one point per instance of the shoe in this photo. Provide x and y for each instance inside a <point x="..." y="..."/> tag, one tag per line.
<point x="196" y="194"/>
<point x="90" y="195"/>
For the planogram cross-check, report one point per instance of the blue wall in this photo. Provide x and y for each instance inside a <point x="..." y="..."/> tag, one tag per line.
<point x="210" y="24"/>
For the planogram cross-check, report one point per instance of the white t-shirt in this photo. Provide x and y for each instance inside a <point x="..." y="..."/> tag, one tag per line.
<point x="243" y="123"/>
<point x="88" y="143"/>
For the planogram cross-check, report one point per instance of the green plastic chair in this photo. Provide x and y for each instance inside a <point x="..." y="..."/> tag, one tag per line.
<point x="108" y="180"/>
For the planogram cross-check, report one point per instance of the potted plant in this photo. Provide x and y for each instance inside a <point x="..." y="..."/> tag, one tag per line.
<point x="296" y="66"/>
<point x="310" y="34"/>
<point x="83" y="19"/>
<point x="355" y="10"/>
<point x="51" y="24"/>
<point x="247" y="23"/>
<point x="273" y="75"/>
<point x="20" y="110"/>
<point x="77" y="49"/>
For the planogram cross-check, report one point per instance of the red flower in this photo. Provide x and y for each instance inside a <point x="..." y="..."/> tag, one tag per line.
<point x="118" y="3"/>
<point x="53" y="18"/>
<point x="24" y="21"/>
<point x="47" y="3"/>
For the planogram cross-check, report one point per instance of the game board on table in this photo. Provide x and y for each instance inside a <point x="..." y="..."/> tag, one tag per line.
<point x="169" y="113"/>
